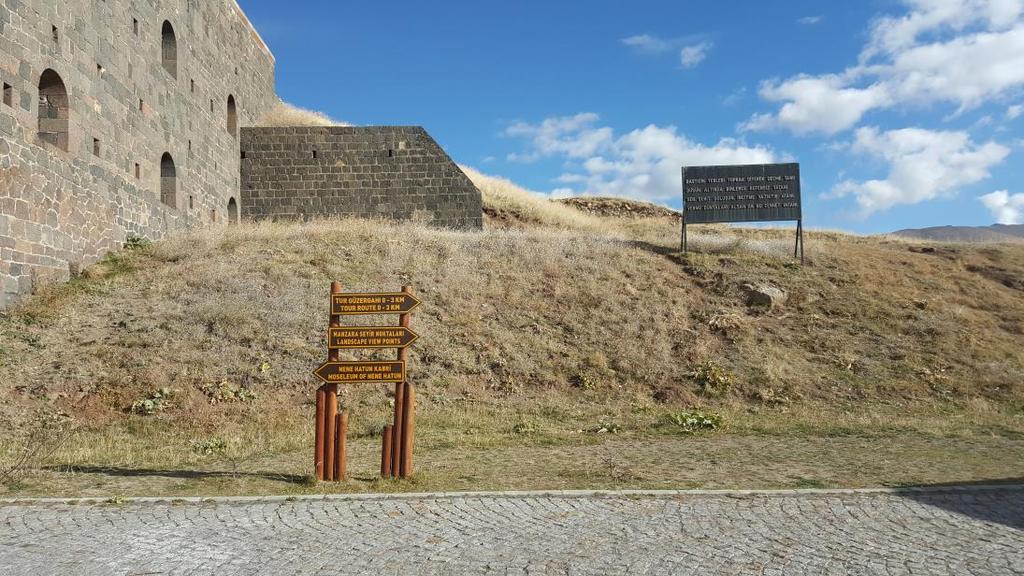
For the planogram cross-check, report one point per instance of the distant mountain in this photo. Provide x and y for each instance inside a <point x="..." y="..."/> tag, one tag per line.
<point x="994" y="233"/>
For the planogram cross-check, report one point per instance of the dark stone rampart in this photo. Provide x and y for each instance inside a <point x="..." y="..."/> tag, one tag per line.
<point x="389" y="172"/>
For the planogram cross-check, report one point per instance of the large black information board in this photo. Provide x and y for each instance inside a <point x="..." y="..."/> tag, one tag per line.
<point x="748" y="193"/>
<point x="743" y="193"/>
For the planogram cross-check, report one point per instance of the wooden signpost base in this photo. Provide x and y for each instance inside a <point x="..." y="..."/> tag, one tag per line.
<point x="318" y="450"/>
<point x="331" y="427"/>
<point x="401" y="440"/>
<point x="385" y="453"/>
<point x="341" y="444"/>
<point x="330" y="452"/>
<point x="397" y="449"/>
<point x="408" y="427"/>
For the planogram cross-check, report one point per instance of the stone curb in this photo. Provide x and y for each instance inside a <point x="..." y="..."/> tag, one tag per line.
<point x="522" y="494"/>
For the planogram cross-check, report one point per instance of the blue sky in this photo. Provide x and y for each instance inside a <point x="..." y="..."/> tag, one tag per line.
<point x="902" y="113"/>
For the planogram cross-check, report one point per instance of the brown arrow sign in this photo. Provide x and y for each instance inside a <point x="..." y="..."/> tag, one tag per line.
<point x="352" y="304"/>
<point x="361" y="372"/>
<point x="350" y="337"/>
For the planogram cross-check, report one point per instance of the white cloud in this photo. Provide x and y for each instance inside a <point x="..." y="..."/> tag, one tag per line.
<point x="645" y="164"/>
<point x="1006" y="208"/>
<point x="810" y="20"/>
<point x="692" y="55"/>
<point x="923" y="165"/>
<point x="691" y="50"/>
<point x="966" y="71"/>
<point x="985" y="121"/>
<point x="649" y="44"/>
<point x="816" y="104"/>
<point x="959" y="52"/>
<point x="574" y="136"/>
<point x="1014" y="112"/>
<point x="894" y="34"/>
<point x="735" y="97"/>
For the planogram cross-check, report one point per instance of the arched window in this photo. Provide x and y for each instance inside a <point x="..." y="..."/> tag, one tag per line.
<point x="54" y="110"/>
<point x="232" y="116"/>
<point x="168" y="181"/>
<point x="169" y="50"/>
<point x="232" y="211"/>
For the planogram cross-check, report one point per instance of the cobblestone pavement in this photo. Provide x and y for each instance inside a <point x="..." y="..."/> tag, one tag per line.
<point x="823" y="533"/>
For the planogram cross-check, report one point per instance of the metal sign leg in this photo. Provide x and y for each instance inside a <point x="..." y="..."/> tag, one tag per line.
<point x="801" y="242"/>
<point x="796" y="244"/>
<point x="798" y="247"/>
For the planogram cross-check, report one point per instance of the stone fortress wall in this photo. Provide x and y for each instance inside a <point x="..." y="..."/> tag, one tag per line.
<point x="388" y="172"/>
<point x="128" y="118"/>
<point x="119" y="118"/>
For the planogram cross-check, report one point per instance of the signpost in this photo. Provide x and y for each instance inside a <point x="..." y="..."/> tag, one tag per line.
<point x="361" y="372"/>
<point x="362" y="304"/>
<point x="370" y="337"/>
<point x="743" y="193"/>
<point x="330" y="446"/>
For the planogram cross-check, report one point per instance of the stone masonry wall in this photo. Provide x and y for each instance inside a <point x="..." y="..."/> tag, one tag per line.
<point x="375" y="172"/>
<point x="60" y="210"/>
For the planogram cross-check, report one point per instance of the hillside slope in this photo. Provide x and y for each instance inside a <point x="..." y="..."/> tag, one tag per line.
<point x="507" y="205"/>
<point x="519" y="311"/>
<point x="558" y="349"/>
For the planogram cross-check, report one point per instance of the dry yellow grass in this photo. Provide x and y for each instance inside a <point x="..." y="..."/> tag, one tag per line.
<point x="285" y="114"/>
<point x="516" y="310"/>
<point x="534" y="337"/>
<point x="510" y="204"/>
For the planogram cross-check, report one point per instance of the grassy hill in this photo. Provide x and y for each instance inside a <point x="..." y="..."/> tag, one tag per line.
<point x="559" y="348"/>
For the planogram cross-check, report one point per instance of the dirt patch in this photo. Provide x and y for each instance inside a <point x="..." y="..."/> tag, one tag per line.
<point x="1009" y="278"/>
<point x="619" y="208"/>
<point x="500" y="218"/>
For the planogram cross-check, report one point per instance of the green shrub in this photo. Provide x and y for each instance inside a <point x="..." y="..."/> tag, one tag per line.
<point x="607" y="427"/>
<point x="156" y="402"/>
<point x="135" y="242"/>
<point x="211" y="446"/>
<point x="693" y="421"/>
<point x="713" y="379"/>
<point x="228" y="392"/>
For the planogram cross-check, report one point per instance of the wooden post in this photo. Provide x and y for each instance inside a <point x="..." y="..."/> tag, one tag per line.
<point x="396" y="431"/>
<point x="331" y="409"/>
<point x="408" y="427"/>
<point x="318" y="450"/>
<point x="401" y="435"/>
<point x="341" y="459"/>
<point x="330" y="431"/>
<point x="385" y="453"/>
